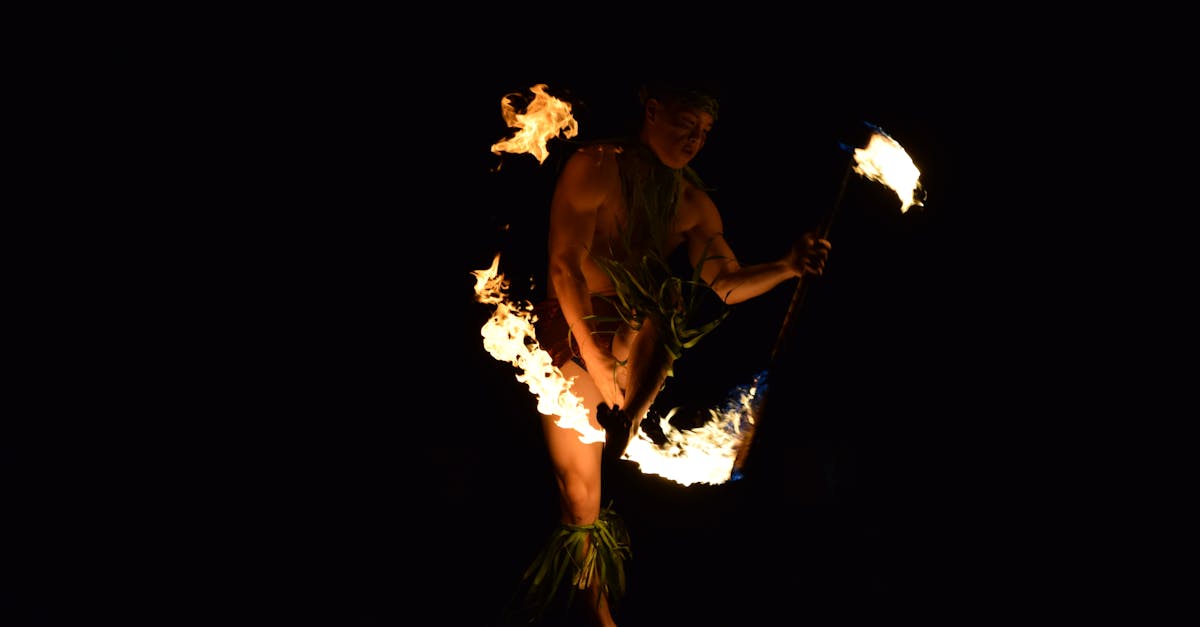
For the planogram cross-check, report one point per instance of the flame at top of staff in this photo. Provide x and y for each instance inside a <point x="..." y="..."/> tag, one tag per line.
<point x="544" y="118"/>
<point x="885" y="161"/>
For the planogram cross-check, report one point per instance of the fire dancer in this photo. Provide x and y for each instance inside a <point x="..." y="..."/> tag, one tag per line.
<point x="615" y="319"/>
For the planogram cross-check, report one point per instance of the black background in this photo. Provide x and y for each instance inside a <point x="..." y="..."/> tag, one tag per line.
<point x="296" y="422"/>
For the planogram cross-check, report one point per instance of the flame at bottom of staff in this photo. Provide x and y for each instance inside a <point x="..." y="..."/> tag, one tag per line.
<point x="706" y="453"/>
<point x="701" y="455"/>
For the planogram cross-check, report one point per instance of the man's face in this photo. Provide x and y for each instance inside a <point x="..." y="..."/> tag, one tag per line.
<point x="676" y="132"/>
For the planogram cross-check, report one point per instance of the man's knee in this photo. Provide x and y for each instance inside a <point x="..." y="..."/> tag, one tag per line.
<point x="582" y="502"/>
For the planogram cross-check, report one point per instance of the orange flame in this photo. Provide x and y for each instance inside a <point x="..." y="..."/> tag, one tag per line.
<point x="885" y="161"/>
<point x="509" y="336"/>
<point x="546" y="117"/>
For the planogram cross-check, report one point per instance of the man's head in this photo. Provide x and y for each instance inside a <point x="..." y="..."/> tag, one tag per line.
<point x="676" y="120"/>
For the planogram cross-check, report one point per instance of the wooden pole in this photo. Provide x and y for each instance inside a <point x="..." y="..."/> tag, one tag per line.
<point x="786" y="330"/>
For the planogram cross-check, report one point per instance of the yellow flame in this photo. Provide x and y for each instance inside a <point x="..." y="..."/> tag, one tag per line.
<point x="701" y="455"/>
<point x="509" y="337"/>
<point x="545" y="117"/>
<point x="885" y="161"/>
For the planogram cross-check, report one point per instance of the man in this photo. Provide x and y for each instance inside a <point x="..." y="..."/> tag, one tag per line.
<point x="615" y="320"/>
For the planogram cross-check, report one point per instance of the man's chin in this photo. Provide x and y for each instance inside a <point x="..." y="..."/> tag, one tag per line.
<point x="682" y="160"/>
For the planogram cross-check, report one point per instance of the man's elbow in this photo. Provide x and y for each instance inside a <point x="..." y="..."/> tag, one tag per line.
<point x="562" y="270"/>
<point x="724" y="289"/>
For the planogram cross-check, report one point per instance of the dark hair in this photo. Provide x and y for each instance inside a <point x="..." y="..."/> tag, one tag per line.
<point x="697" y="94"/>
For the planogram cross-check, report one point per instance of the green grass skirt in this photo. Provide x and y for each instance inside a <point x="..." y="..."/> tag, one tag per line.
<point x="572" y="558"/>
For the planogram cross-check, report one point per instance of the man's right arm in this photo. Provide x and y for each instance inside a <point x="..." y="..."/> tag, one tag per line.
<point x="579" y="194"/>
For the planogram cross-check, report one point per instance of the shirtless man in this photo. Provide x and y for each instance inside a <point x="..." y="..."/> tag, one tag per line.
<point x="613" y="203"/>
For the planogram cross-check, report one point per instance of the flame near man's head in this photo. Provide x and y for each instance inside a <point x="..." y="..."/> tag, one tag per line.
<point x="546" y="117"/>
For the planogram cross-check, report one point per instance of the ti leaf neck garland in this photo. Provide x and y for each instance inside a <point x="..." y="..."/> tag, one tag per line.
<point x="636" y="262"/>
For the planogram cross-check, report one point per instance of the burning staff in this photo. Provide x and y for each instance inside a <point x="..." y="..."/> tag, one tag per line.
<point x="615" y="318"/>
<point x="883" y="160"/>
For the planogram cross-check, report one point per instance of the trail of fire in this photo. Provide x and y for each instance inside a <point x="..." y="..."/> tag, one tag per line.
<point x="509" y="336"/>
<point x="702" y="455"/>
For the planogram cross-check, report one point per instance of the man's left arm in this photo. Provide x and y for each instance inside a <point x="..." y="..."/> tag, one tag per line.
<point x="733" y="282"/>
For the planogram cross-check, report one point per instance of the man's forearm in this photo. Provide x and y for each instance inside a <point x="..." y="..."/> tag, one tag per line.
<point x="576" y="302"/>
<point x="750" y="281"/>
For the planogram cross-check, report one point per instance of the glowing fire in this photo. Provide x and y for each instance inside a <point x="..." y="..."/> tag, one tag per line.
<point x="509" y="336"/>
<point x="705" y="454"/>
<point x="545" y="117"/>
<point x="885" y="161"/>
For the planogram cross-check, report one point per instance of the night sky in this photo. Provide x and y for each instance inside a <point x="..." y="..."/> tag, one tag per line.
<point x="317" y="436"/>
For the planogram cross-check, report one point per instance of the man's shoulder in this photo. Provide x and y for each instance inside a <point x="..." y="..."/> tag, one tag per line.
<point x="595" y="158"/>
<point x="606" y="150"/>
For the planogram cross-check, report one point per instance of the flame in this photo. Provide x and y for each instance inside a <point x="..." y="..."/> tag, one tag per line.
<point x="885" y="161"/>
<point x="509" y="336"/>
<point x="705" y="454"/>
<point x="544" y="118"/>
